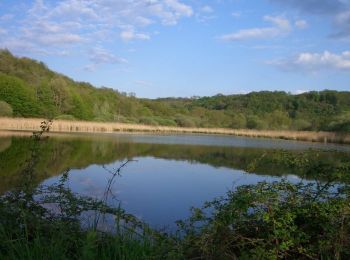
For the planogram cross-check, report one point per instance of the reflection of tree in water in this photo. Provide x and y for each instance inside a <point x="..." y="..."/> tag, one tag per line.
<point x="60" y="153"/>
<point x="57" y="202"/>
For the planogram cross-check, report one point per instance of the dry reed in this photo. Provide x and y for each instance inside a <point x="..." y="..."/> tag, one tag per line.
<point x="32" y="124"/>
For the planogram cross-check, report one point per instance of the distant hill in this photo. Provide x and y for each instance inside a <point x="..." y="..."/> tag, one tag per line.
<point x="29" y="89"/>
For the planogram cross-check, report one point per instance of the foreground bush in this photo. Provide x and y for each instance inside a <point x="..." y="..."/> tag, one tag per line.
<point x="271" y="221"/>
<point x="264" y="221"/>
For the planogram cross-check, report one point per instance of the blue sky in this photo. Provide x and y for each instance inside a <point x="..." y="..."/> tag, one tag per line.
<point x="183" y="48"/>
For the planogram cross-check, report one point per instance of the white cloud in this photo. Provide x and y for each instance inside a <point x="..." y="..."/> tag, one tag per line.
<point x="281" y="27"/>
<point x="207" y="9"/>
<point x="90" y="67"/>
<point x="6" y="17"/>
<point x="336" y="11"/>
<point x="236" y="14"/>
<point x="301" y="24"/>
<point x="179" y="8"/>
<point x="74" y="8"/>
<point x="343" y="17"/>
<point x="342" y="25"/>
<point x="168" y="11"/>
<point x="102" y="56"/>
<point x="205" y="13"/>
<point x="315" y="6"/>
<point x="300" y="91"/>
<point x="3" y="31"/>
<point x="99" y="56"/>
<point x="143" y="21"/>
<point x="49" y="25"/>
<point x="279" y="21"/>
<point x="59" y="39"/>
<point x="130" y="35"/>
<point x="50" y="34"/>
<point x="313" y="62"/>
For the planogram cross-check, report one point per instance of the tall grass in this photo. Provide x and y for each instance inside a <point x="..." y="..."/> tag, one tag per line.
<point x="31" y="124"/>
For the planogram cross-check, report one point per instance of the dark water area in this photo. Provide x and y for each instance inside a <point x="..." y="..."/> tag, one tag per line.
<point x="168" y="174"/>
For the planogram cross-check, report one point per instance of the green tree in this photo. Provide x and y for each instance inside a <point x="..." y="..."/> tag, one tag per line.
<point x="5" y="109"/>
<point x="239" y="121"/>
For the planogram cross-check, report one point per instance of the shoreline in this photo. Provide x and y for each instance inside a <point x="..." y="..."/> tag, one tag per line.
<point x="65" y="126"/>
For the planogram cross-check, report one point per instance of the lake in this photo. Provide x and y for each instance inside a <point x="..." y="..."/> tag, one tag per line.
<point x="167" y="174"/>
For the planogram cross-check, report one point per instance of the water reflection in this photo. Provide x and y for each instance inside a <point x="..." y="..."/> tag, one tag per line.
<point x="168" y="176"/>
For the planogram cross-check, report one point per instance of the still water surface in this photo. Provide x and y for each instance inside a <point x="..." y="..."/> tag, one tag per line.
<point x="168" y="174"/>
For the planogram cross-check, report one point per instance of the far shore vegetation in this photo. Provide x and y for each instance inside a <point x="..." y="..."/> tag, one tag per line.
<point x="69" y="126"/>
<point x="29" y="89"/>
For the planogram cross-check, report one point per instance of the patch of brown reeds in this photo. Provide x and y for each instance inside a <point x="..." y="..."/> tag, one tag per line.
<point x="33" y="124"/>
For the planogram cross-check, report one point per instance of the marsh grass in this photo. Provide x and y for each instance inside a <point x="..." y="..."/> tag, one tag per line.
<point x="31" y="124"/>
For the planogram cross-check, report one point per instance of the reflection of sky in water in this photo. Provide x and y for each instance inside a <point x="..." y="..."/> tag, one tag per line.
<point x="225" y="140"/>
<point x="158" y="190"/>
<point x="161" y="191"/>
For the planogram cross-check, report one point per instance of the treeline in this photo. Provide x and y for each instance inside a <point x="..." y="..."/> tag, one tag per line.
<point x="29" y="89"/>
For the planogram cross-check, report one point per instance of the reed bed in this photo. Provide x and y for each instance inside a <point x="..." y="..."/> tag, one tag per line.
<point x="32" y="124"/>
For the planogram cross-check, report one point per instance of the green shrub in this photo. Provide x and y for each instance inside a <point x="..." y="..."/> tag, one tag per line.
<point x="66" y="117"/>
<point x="21" y="98"/>
<point x="254" y="122"/>
<point x="184" y="121"/>
<point x="271" y="221"/>
<point x="166" y="122"/>
<point x="5" y="109"/>
<point x="340" y="124"/>
<point x="148" y="121"/>
<point x="301" y="124"/>
<point x="278" y="120"/>
<point x="239" y="121"/>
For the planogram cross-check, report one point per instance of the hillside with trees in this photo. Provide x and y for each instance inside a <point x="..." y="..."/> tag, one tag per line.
<point x="28" y="88"/>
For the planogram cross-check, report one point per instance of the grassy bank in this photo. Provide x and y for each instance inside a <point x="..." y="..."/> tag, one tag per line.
<point x="31" y="124"/>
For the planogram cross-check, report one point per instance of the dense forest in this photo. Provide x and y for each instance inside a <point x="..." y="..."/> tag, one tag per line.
<point x="28" y="88"/>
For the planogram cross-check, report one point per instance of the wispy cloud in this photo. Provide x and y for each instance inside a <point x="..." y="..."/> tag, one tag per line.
<point x="6" y="17"/>
<point x="236" y="14"/>
<point x="60" y="24"/>
<point x="338" y="12"/>
<point x="55" y="27"/>
<point x="281" y="26"/>
<point x="207" y="9"/>
<point x="314" y="62"/>
<point x="314" y="6"/>
<point x="205" y="13"/>
<point x="301" y="24"/>
<point x="3" y="31"/>
<point x="342" y="25"/>
<point x="99" y="56"/>
<point x="130" y="35"/>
